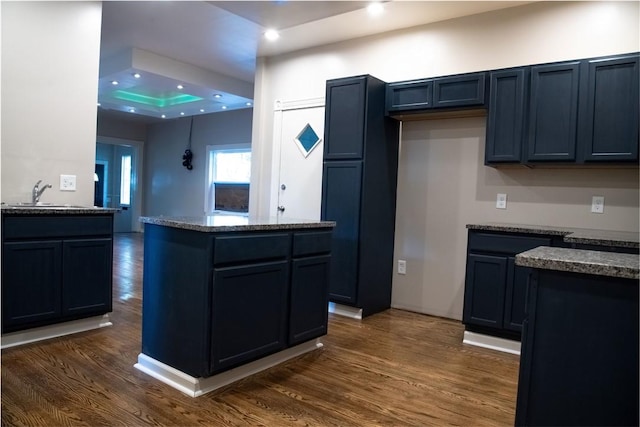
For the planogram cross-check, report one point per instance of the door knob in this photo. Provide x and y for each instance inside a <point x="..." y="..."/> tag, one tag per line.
<point x="281" y="208"/>
<point x="283" y="187"/>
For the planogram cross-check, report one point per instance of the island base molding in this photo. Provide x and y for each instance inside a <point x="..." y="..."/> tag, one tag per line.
<point x="13" y="339"/>
<point x="195" y="387"/>
<point x="345" y="310"/>
<point x="493" y="343"/>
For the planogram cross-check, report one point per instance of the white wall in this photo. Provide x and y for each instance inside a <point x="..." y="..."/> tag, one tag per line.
<point x="171" y="189"/>
<point x="443" y="184"/>
<point x="50" y="58"/>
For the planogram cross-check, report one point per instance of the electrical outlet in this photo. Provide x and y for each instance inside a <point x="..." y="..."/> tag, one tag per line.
<point x="402" y="266"/>
<point x="501" y="201"/>
<point x="67" y="182"/>
<point x="597" y="204"/>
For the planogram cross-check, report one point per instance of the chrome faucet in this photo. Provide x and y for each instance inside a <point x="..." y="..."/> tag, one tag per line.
<point x="37" y="191"/>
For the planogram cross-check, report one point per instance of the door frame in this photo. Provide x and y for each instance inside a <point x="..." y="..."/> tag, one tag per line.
<point x="279" y="107"/>
<point x="136" y="212"/>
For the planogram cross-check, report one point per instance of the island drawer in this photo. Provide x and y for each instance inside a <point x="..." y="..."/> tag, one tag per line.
<point x="239" y="248"/>
<point x="509" y="244"/>
<point x="311" y="243"/>
<point x="38" y="226"/>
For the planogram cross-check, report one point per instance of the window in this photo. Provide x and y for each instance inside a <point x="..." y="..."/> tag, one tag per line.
<point x="125" y="181"/>
<point x="229" y="174"/>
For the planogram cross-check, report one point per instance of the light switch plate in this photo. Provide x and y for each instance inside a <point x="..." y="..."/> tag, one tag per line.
<point x="597" y="204"/>
<point x="501" y="201"/>
<point x="402" y="266"/>
<point x="67" y="182"/>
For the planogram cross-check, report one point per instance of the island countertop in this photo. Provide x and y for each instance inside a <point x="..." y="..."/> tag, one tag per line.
<point x="229" y="222"/>
<point x="623" y="239"/>
<point x="581" y="261"/>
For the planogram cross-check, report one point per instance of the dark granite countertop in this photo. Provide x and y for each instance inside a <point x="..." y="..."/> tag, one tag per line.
<point x="229" y="222"/>
<point x="582" y="261"/>
<point x="53" y="209"/>
<point x="621" y="239"/>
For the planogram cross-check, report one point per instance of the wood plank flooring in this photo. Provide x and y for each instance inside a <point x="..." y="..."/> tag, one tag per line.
<point x="395" y="368"/>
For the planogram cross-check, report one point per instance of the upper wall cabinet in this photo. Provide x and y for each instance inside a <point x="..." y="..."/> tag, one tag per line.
<point x="419" y="96"/>
<point x="344" y="137"/>
<point x="505" y="120"/>
<point x="609" y="117"/>
<point x="553" y="112"/>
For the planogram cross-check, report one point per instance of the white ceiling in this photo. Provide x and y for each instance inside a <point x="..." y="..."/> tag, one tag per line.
<point x="211" y="47"/>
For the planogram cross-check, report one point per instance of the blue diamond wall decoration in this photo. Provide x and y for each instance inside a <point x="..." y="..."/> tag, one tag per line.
<point x="307" y="139"/>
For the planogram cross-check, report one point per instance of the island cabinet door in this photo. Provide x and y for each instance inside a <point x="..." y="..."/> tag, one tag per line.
<point x="309" y="298"/>
<point x="31" y="282"/>
<point x="249" y="313"/>
<point x="485" y="290"/>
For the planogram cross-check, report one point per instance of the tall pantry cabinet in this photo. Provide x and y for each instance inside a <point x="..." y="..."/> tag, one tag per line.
<point x="359" y="191"/>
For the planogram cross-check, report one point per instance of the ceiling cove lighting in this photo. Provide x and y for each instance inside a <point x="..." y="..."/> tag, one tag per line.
<point x="271" y="35"/>
<point x="156" y="101"/>
<point x="375" y="9"/>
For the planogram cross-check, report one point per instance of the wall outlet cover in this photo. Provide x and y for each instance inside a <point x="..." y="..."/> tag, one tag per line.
<point x="402" y="266"/>
<point x="67" y="182"/>
<point x="501" y="201"/>
<point x="597" y="204"/>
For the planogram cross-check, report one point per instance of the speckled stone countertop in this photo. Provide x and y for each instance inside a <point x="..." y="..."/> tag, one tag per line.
<point x="50" y="209"/>
<point x="621" y="239"/>
<point x="226" y="222"/>
<point x="581" y="261"/>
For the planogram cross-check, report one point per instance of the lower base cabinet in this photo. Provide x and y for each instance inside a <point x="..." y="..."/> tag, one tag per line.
<point x="579" y="360"/>
<point x="55" y="269"/>
<point x="215" y="301"/>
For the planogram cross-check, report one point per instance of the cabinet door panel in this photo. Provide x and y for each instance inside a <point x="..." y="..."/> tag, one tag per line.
<point x="31" y="282"/>
<point x="611" y="119"/>
<point x="516" y="295"/>
<point x="407" y="96"/>
<point x="309" y="298"/>
<point x="459" y="91"/>
<point x="344" y="119"/>
<point x="505" y="122"/>
<point x="341" y="184"/>
<point x="87" y="276"/>
<point x="553" y="113"/>
<point x="249" y="313"/>
<point x="484" y="290"/>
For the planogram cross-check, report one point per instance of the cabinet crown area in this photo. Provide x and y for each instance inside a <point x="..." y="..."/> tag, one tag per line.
<point x="575" y="112"/>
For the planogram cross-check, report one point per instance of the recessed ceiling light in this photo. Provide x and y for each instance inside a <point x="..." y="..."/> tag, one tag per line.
<point x="132" y="110"/>
<point x="114" y="82"/>
<point x="136" y="75"/>
<point x="202" y="110"/>
<point x="99" y="104"/>
<point x="182" y="113"/>
<point x="163" y="116"/>
<point x="271" y="35"/>
<point x="217" y="95"/>
<point x="375" y="9"/>
<point x="224" y="107"/>
<point x="180" y="87"/>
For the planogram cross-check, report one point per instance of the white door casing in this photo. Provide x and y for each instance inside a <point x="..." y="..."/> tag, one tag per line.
<point x="297" y="179"/>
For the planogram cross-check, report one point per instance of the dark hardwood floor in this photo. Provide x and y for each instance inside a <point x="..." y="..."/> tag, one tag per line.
<point x="395" y="368"/>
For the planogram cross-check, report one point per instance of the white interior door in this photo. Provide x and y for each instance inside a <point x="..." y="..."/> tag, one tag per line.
<point x="300" y="173"/>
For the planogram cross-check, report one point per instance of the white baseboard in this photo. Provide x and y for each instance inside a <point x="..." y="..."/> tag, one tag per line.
<point x="345" y="310"/>
<point x="13" y="339"/>
<point x="195" y="387"/>
<point x="493" y="343"/>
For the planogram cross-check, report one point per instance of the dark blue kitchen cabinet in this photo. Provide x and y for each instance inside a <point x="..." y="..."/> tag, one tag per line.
<point x="249" y="318"/>
<point x="508" y="91"/>
<point x="55" y="268"/>
<point x="579" y="359"/>
<point x="217" y="300"/>
<point x="610" y="109"/>
<point x="495" y="288"/>
<point x="437" y="94"/>
<point x="31" y="282"/>
<point x="553" y="112"/>
<point x="359" y="193"/>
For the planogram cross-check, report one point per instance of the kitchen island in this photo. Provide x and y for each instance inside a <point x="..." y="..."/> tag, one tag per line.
<point x="579" y="361"/>
<point x="225" y="296"/>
